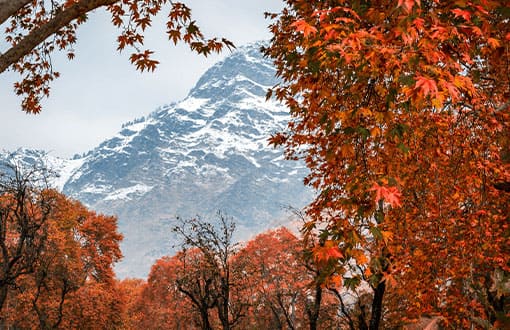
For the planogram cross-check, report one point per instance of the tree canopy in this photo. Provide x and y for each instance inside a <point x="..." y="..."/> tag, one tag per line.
<point x="401" y="112"/>
<point x="56" y="257"/>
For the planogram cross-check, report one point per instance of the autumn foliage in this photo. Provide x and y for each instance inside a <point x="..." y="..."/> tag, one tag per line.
<point x="401" y="112"/>
<point x="36" y="29"/>
<point x="56" y="259"/>
<point x="269" y="283"/>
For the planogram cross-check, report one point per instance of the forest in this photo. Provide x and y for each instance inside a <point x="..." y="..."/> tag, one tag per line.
<point x="400" y="111"/>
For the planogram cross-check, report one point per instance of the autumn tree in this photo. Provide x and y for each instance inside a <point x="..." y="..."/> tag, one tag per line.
<point x="25" y="207"/>
<point x="288" y="285"/>
<point x="95" y="305"/>
<point x="71" y="283"/>
<point x="213" y="279"/>
<point x="325" y="304"/>
<point x="161" y="305"/>
<point x="37" y="28"/>
<point x="401" y="112"/>
<point x="131" y="290"/>
<point x="277" y="281"/>
<point x="270" y="288"/>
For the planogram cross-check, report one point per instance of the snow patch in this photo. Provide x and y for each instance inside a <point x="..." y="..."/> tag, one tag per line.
<point x="65" y="169"/>
<point x="123" y="193"/>
<point x="192" y="103"/>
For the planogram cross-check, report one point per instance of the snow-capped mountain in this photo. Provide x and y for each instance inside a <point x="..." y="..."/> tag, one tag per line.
<point x="204" y="153"/>
<point x="60" y="169"/>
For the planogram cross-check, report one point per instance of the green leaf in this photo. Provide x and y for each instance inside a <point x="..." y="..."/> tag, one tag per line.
<point x="405" y="149"/>
<point x="352" y="282"/>
<point x="407" y="80"/>
<point x="365" y="133"/>
<point x="399" y="130"/>
<point x="376" y="232"/>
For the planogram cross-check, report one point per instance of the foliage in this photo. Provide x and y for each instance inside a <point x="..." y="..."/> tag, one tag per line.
<point x="278" y="281"/>
<point x="35" y="29"/>
<point x="401" y="112"/>
<point x="131" y="290"/>
<point x="160" y="304"/>
<point x="69" y="282"/>
<point x="25" y="208"/>
<point x="270" y="288"/>
<point x="208" y="275"/>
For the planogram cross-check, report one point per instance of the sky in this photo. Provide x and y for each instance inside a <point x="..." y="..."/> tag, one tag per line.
<point x="100" y="90"/>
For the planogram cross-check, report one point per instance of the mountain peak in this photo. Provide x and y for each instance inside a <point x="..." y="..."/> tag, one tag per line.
<point x="246" y="69"/>
<point x="206" y="152"/>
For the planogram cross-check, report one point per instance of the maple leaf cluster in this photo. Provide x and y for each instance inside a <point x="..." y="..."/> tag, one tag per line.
<point x="401" y="112"/>
<point x="36" y="29"/>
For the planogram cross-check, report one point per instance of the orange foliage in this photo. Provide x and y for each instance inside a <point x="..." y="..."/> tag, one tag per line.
<point x="161" y="305"/>
<point x="408" y="100"/>
<point x="278" y="280"/>
<point x="35" y="30"/>
<point x="131" y="290"/>
<point x="270" y="284"/>
<point x="72" y="281"/>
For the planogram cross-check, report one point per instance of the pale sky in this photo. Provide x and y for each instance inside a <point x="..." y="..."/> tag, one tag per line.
<point x="100" y="90"/>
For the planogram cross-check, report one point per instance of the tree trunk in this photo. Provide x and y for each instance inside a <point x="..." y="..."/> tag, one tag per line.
<point x="375" y="319"/>
<point x="313" y="311"/>
<point x="223" y="304"/>
<point x="206" y="325"/>
<point x="10" y="7"/>
<point x="3" y="297"/>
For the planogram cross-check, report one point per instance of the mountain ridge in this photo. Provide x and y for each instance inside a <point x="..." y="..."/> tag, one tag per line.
<point x="206" y="152"/>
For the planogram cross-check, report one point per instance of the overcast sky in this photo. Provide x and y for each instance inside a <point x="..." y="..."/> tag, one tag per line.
<point x="99" y="90"/>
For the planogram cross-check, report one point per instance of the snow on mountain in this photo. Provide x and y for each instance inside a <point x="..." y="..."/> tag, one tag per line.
<point x="61" y="169"/>
<point x="206" y="152"/>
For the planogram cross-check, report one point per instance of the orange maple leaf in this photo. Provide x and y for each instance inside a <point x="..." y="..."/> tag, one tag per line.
<point x="328" y="251"/>
<point x="426" y="85"/>
<point x="462" y="13"/>
<point x="408" y="4"/>
<point x="493" y="43"/>
<point x="391" y="195"/>
<point x="303" y="26"/>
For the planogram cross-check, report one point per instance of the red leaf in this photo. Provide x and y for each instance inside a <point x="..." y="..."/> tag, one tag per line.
<point x="390" y="195"/>
<point x="408" y="4"/>
<point x="426" y="85"/>
<point x="303" y="26"/>
<point x="466" y="15"/>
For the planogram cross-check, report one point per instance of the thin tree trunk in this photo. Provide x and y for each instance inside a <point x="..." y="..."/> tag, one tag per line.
<point x="206" y="325"/>
<point x="375" y="319"/>
<point x="3" y="297"/>
<point x="313" y="312"/>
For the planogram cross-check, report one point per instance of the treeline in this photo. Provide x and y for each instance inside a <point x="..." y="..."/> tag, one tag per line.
<point x="214" y="283"/>
<point x="56" y="272"/>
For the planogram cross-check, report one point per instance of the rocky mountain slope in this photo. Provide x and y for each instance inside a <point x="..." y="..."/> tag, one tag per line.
<point x="204" y="153"/>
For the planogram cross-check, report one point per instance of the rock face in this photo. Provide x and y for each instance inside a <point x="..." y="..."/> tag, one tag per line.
<point x="205" y="153"/>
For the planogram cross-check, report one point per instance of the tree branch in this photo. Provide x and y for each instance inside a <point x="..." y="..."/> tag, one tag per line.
<point x="10" y="7"/>
<point x="37" y="36"/>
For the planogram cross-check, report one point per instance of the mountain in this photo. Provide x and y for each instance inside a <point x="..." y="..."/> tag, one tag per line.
<point x="205" y="153"/>
<point x="60" y="168"/>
